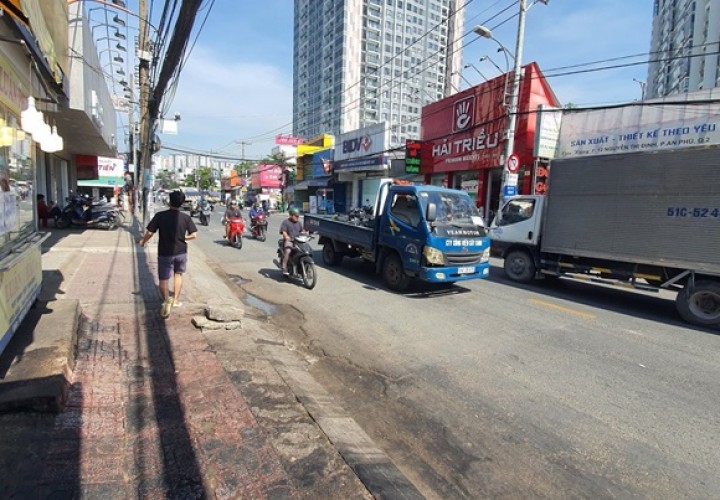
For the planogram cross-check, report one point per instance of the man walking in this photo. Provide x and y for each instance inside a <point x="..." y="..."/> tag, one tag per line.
<point x="175" y="228"/>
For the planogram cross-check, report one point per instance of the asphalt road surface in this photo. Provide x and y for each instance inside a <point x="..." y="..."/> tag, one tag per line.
<point x="486" y="388"/>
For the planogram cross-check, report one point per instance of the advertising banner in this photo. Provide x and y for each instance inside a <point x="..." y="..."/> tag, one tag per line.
<point x="267" y="176"/>
<point x="19" y="287"/>
<point x="676" y="122"/>
<point x="110" y="173"/>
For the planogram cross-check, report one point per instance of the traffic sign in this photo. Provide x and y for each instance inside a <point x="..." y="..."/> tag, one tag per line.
<point x="510" y="191"/>
<point x="513" y="164"/>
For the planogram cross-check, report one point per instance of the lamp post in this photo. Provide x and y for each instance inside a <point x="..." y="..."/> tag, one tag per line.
<point x="471" y="65"/>
<point x="508" y="185"/>
<point x="642" y="88"/>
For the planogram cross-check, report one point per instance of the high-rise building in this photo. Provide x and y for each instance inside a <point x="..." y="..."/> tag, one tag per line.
<point x="361" y="62"/>
<point x="684" y="47"/>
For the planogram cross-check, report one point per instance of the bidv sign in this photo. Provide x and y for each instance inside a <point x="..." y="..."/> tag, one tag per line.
<point x="359" y="144"/>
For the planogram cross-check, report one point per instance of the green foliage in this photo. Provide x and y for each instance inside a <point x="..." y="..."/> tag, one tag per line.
<point x="206" y="180"/>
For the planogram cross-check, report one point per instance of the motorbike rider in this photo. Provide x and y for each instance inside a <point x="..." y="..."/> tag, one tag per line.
<point x="290" y="228"/>
<point x="232" y="211"/>
<point x="254" y="212"/>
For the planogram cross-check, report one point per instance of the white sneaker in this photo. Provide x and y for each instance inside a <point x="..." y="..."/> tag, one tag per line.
<point x="166" y="307"/>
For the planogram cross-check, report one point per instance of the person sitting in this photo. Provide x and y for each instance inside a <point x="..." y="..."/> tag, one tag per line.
<point x="256" y="210"/>
<point x="232" y="211"/>
<point x="43" y="210"/>
<point x="289" y="229"/>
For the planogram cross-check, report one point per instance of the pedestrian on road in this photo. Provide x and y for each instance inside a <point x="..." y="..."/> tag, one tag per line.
<point x="175" y="228"/>
<point x="289" y="228"/>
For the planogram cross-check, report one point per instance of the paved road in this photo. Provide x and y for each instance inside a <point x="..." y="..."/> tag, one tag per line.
<point x="563" y="389"/>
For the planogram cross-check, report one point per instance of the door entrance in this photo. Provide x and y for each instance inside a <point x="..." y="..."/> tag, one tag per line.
<point x="492" y="197"/>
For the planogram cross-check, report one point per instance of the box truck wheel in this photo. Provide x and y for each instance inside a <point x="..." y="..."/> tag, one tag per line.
<point x="700" y="305"/>
<point x="519" y="266"/>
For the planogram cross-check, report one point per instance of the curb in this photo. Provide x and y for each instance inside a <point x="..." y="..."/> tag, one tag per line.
<point x="36" y="368"/>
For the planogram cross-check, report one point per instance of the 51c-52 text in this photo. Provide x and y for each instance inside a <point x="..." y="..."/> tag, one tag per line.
<point x="693" y="212"/>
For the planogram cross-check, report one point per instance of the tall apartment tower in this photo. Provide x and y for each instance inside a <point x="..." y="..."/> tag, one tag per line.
<point x="361" y="62"/>
<point x="684" y="47"/>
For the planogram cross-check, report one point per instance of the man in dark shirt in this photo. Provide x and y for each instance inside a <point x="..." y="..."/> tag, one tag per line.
<point x="175" y="229"/>
<point x="289" y="228"/>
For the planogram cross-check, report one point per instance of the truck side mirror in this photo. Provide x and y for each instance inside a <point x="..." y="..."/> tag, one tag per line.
<point x="431" y="214"/>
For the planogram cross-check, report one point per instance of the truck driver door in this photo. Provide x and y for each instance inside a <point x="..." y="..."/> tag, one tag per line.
<point x="519" y="221"/>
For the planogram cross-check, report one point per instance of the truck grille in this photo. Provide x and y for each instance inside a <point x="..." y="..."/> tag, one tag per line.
<point x="463" y="259"/>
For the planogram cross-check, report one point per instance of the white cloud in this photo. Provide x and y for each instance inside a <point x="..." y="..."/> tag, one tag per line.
<point x="222" y="100"/>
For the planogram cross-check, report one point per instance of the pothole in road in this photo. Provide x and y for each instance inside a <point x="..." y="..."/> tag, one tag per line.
<point x="266" y="307"/>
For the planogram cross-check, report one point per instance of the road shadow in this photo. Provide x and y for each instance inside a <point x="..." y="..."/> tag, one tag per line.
<point x="635" y="303"/>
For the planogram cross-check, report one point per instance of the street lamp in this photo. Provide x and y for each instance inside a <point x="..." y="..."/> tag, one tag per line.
<point x="508" y="186"/>
<point x="642" y="88"/>
<point x="471" y="65"/>
<point x="461" y="76"/>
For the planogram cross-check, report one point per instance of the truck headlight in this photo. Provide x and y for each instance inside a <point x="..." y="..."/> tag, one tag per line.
<point x="433" y="256"/>
<point x="485" y="255"/>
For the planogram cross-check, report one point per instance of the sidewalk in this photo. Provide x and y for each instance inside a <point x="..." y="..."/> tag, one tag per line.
<point x="151" y="412"/>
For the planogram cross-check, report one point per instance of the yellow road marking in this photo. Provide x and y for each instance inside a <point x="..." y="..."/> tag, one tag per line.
<point x="563" y="309"/>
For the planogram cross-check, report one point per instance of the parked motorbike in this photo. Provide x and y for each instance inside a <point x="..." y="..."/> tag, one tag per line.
<point x="258" y="226"/>
<point x="301" y="265"/>
<point x="237" y="226"/>
<point x="205" y="212"/>
<point x="81" y="212"/>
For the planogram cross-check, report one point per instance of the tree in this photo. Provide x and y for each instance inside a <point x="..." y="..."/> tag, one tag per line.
<point x="206" y="180"/>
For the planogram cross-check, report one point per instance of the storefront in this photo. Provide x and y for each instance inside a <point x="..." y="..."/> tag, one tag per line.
<point x="360" y="162"/>
<point x="463" y="137"/>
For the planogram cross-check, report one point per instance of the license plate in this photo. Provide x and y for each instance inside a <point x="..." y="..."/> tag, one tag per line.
<point x="466" y="270"/>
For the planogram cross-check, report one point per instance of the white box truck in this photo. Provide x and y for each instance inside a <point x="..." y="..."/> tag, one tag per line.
<point x="650" y="220"/>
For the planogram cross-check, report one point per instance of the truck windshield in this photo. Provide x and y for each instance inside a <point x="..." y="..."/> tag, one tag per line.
<point x="455" y="208"/>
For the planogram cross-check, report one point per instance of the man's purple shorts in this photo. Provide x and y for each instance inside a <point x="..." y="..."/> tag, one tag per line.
<point x="168" y="265"/>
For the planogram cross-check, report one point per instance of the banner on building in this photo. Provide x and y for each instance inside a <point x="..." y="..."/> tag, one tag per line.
<point x="676" y="122"/>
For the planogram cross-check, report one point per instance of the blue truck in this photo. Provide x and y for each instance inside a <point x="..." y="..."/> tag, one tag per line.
<point x="430" y="233"/>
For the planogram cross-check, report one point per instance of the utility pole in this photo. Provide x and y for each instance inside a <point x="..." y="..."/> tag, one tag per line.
<point x="133" y="132"/>
<point x="512" y="108"/>
<point x="145" y="121"/>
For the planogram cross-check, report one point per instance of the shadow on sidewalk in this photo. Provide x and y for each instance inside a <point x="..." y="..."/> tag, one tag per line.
<point x="181" y="475"/>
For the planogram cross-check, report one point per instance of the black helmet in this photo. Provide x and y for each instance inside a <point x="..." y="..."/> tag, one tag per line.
<point x="294" y="211"/>
<point x="233" y="202"/>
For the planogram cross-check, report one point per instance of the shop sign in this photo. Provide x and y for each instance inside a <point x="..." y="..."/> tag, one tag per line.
<point x="288" y="140"/>
<point x="651" y="127"/>
<point x="413" y="154"/>
<point x="364" y="142"/>
<point x="110" y="173"/>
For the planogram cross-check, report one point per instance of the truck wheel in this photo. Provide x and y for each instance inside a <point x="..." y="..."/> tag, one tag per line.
<point x="519" y="266"/>
<point x="701" y="304"/>
<point x="394" y="274"/>
<point x="331" y="257"/>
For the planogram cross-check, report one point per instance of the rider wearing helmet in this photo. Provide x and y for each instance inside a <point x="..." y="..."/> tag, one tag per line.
<point x="256" y="210"/>
<point x="290" y="228"/>
<point x="232" y="211"/>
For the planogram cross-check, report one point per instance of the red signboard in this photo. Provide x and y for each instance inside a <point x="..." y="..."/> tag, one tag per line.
<point x="288" y="140"/>
<point x="466" y="131"/>
<point x="266" y="176"/>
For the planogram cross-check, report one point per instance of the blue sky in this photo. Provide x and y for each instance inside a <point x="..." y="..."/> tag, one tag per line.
<point x="237" y="83"/>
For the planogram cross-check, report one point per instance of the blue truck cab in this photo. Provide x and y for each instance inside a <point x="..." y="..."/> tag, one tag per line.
<point x="430" y="233"/>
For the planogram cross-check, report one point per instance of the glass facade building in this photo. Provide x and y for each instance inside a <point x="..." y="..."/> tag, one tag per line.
<point x="361" y="62"/>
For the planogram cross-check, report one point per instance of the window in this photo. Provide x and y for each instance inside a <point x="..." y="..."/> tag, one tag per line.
<point x="405" y="208"/>
<point x="517" y="211"/>
<point x="17" y="171"/>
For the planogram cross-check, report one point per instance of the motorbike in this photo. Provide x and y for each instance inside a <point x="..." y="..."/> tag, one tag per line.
<point x="237" y="226"/>
<point x="301" y="265"/>
<point x="258" y="226"/>
<point x="81" y="212"/>
<point x="205" y="212"/>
